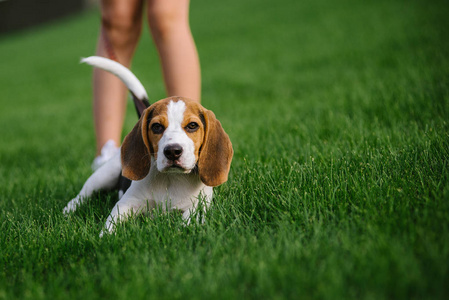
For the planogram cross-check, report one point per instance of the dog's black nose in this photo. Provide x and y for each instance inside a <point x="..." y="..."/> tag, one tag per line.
<point x="173" y="152"/>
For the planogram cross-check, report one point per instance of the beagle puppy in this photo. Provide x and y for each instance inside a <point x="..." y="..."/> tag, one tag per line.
<point x="174" y="155"/>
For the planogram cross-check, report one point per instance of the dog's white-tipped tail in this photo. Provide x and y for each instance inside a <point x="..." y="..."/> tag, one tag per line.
<point x="125" y="75"/>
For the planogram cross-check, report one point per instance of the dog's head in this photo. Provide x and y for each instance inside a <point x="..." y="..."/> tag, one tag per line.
<point x="181" y="136"/>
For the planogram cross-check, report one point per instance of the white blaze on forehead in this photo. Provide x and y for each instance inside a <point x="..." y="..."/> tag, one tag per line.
<point x="175" y="113"/>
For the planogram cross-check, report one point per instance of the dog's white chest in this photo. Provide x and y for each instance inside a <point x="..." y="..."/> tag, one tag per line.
<point x="172" y="190"/>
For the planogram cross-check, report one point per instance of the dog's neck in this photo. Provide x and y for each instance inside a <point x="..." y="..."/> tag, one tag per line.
<point x="178" y="189"/>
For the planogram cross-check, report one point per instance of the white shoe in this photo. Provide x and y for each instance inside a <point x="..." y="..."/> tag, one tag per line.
<point x="107" y="152"/>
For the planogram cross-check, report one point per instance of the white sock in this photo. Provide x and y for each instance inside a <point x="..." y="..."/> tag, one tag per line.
<point x="107" y="152"/>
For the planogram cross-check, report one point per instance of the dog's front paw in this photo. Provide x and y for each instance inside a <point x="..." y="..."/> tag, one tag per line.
<point x="108" y="227"/>
<point x="106" y="231"/>
<point x="71" y="206"/>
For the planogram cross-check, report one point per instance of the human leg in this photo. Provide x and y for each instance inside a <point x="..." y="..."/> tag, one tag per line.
<point x="121" y="25"/>
<point x="169" y="25"/>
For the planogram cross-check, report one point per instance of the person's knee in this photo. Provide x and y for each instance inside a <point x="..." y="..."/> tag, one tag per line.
<point x="166" y="20"/>
<point x="123" y="27"/>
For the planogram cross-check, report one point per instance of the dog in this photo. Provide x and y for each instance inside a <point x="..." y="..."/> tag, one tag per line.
<point x="174" y="156"/>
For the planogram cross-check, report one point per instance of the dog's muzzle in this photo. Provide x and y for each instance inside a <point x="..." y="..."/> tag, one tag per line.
<point x="173" y="152"/>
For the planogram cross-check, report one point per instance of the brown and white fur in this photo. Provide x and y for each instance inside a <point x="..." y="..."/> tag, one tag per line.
<point x="174" y="155"/>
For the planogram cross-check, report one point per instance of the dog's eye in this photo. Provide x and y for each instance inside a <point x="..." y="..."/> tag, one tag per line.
<point x="157" y="128"/>
<point x="192" y="127"/>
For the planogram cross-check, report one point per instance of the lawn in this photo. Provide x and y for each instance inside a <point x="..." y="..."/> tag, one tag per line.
<point x="339" y="188"/>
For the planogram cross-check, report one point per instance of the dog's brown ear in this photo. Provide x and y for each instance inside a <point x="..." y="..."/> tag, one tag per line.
<point x="135" y="153"/>
<point x="216" y="153"/>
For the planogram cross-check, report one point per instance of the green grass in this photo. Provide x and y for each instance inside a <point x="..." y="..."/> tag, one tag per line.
<point x="338" y="112"/>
